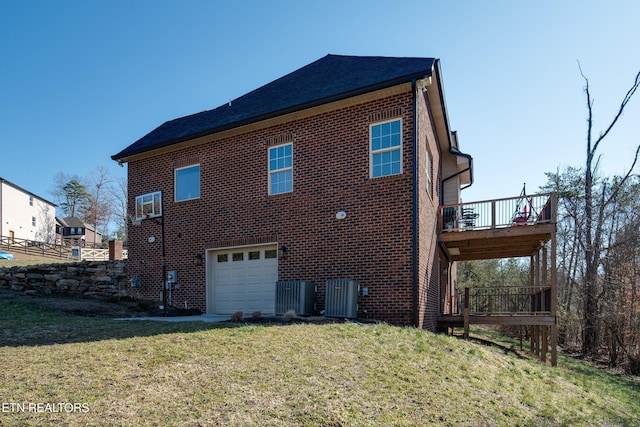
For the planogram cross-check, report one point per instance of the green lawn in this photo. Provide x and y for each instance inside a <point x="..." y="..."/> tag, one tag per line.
<point x="142" y="373"/>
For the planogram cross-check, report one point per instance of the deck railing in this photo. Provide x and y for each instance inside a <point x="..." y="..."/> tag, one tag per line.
<point x="499" y="213"/>
<point x="529" y="300"/>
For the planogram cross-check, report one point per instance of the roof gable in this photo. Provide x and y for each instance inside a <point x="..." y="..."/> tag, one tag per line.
<point x="328" y="79"/>
<point x="17" y="187"/>
<point x="71" y="221"/>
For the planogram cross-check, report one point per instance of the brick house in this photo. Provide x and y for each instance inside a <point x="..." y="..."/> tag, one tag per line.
<point x="335" y="170"/>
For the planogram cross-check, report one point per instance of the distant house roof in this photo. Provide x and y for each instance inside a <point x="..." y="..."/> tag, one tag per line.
<point x="75" y="222"/>
<point x="17" y="187"/>
<point x="331" y="78"/>
<point x="71" y="222"/>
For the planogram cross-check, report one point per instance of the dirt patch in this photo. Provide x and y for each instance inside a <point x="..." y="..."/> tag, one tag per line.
<point x="127" y="307"/>
<point x="91" y="307"/>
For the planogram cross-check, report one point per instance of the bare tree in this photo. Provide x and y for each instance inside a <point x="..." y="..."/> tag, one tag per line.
<point x="119" y="197"/>
<point x="595" y="210"/>
<point x="98" y="210"/>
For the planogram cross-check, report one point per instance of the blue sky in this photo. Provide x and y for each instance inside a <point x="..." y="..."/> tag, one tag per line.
<point x="81" y="80"/>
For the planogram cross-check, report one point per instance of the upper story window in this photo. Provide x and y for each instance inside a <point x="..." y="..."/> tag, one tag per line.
<point x="30" y="200"/>
<point x="187" y="183"/>
<point x="33" y="221"/>
<point x="386" y="148"/>
<point x="281" y="169"/>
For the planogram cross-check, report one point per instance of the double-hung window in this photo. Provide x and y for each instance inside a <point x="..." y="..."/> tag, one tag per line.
<point x="187" y="182"/>
<point x="281" y="169"/>
<point x="386" y="148"/>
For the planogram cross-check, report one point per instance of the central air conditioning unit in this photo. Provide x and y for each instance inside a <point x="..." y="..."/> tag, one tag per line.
<point x="342" y="298"/>
<point x="296" y="295"/>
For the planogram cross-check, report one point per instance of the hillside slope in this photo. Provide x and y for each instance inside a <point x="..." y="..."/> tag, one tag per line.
<point x="185" y="374"/>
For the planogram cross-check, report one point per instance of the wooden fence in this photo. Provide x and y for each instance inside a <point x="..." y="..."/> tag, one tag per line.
<point x="53" y="250"/>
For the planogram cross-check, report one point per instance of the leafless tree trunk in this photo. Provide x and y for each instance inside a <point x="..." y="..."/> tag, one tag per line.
<point x="119" y="197"/>
<point x="99" y="211"/>
<point x="594" y="218"/>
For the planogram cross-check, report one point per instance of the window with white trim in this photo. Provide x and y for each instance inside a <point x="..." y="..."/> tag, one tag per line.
<point x="281" y="169"/>
<point x="386" y="148"/>
<point x="187" y="183"/>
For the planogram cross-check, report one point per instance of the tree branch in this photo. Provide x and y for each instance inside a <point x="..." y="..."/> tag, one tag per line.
<point x="589" y="116"/>
<point x="624" y="179"/>
<point x="623" y="104"/>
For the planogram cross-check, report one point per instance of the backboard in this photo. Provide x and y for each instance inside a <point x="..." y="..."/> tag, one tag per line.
<point x="149" y="205"/>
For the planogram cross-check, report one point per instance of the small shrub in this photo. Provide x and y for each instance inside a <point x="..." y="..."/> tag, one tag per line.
<point x="238" y="316"/>
<point x="290" y="314"/>
<point x="256" y="314"/>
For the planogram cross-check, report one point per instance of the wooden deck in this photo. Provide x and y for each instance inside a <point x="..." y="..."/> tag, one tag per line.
<point x="523" y="226"/>
<point x="503" y="228"/>
<point x="457" y="320"/>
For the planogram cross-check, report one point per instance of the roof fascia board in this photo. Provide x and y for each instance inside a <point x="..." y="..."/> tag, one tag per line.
<point x="272" y="121"/>
<point x="438" y="108"/>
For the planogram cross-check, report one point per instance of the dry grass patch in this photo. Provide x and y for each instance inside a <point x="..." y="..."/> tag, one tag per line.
<point x="302" y="375"/>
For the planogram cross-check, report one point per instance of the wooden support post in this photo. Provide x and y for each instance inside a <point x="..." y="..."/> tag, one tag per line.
<point x="521" y="335"/>
<point x="537" y="270"/>
<point x="466" y="313"/>
<point x="545" y="266"/>
<point x="532" y="338"/>
<point x="545" y="345"/>
<point x="554" y="286"/>
<point x="532" y="329"/>
<point x="493" y="214"/>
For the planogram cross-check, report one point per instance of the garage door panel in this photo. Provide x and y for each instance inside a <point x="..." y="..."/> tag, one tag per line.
<point x="244" y="279"/>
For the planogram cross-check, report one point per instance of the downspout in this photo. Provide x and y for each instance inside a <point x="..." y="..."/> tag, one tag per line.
<point x="415" y="204"/>
<point x="454" y="150"/>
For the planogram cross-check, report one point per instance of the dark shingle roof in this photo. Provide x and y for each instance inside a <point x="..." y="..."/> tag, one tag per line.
<point x="328" y="79"/>
<point x="71" y="221"/>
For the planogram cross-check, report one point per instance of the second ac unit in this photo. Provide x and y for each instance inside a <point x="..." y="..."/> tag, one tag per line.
<point x="342" y="298"/>
<point x="295" y="295"/>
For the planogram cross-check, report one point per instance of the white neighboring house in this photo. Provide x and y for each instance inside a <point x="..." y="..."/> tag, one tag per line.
<point x="24" y="215"/>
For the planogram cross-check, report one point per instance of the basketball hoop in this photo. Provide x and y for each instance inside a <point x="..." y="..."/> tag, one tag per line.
<point x="134" y="221"/>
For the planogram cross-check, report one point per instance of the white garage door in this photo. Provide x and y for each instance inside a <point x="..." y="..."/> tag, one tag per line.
<point x="244" y="279"/>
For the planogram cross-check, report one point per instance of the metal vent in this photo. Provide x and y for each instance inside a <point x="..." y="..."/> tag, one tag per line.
<point x="296" y="295"/>
<point x="342" y="298"/>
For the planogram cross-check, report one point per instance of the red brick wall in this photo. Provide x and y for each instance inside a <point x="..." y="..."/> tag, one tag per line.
<point x="331" y="173"/>
<point x="429" y="199"/>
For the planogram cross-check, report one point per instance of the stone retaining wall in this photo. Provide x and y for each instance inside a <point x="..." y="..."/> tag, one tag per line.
<point x="101" y="279"/>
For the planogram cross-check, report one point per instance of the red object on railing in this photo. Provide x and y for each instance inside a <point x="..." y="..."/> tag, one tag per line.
<point x="523" y="218"/>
